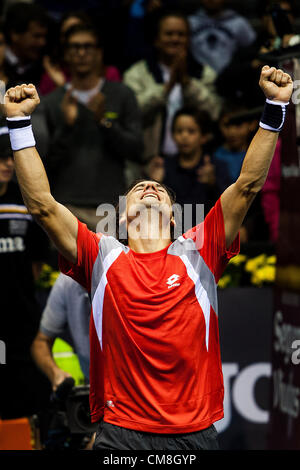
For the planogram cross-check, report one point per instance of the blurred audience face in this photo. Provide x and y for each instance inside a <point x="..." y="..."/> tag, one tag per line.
<point x="187" y="135"/>
<point x="28" y="46"/>
<point x="6" y="169"/>
<point x="172" y="38"/>
<point x="236" y="135"/>
<point x="82" y="53"/>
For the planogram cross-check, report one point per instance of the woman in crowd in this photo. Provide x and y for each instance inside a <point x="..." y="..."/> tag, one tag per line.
<point x="168" y="80"/>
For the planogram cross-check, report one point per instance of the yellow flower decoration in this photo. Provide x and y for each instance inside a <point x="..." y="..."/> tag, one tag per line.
<point x="255" y="263"/>
<point x="238" y="260"/>
<point x="224" y="281"/>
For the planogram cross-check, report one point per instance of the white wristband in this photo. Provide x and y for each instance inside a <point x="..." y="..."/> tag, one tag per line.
<point x="20" y="132"/>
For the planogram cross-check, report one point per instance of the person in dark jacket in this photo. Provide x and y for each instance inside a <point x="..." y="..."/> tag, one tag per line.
<point x="168" y="79"/>
<point x="26" y="27"/>
<point x="87" y="129"/>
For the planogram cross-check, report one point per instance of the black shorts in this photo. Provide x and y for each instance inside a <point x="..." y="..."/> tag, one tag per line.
<point x="109" y="436"/>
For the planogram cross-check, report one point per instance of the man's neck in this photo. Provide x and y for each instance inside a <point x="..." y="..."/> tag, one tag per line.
<point x="85" y="82"/>
<point x="150" y="233"/>
<point x="3" y="188"/>
<point x="148" y="246"/>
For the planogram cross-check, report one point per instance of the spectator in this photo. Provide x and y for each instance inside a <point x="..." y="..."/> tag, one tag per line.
<point x="140" y="17"/>
<point x="66" y="315"/>
<point x="191" y="173"/>
<point x="217" y="32"/>
<point x="237" y="126"/>
<point x="56" y="72"/>
<point x="247" y="61"/>
<point x="167" y="81"/>
<point x="23" y="248"/>
<point x="26" y="28"/>
<point x="92" y="126"/>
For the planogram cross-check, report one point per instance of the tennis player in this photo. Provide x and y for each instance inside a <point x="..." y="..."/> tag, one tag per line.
<point x="155" y="374"/>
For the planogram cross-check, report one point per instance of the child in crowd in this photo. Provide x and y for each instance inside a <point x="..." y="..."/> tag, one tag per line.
<point x="191" y="173"/>
<point x="237" y="127"/>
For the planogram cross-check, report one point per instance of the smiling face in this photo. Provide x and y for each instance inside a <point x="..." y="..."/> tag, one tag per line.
<point x="173" y="37"/>
<point x="148" y="193"/>
<point x="148" y="202"/>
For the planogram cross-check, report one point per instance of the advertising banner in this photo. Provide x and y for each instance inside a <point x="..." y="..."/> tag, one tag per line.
<point x="245" y="320"/>
<point x="285" y="406"/>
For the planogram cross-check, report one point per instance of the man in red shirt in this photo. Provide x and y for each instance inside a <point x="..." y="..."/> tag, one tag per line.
<point x="155" y="376"/>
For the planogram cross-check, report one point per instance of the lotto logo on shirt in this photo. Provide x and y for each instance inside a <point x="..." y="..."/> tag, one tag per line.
<point x="172" y="281"/>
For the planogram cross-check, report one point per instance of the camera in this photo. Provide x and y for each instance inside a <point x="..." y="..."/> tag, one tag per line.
<point x="66" y="424"/>
<point x="78" y="411"/>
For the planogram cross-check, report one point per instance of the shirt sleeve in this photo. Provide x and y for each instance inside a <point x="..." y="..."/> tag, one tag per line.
<point x="54" y="317"/>
<point x="209" y="237"/>
<point x="87" y="252"/>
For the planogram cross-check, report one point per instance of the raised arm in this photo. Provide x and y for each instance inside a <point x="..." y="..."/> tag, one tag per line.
<point x="237" y="198"/>
<point x="59" y="223"/>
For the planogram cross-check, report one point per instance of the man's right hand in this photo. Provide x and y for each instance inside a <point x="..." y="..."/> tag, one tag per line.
<point x="20" y="101"/>
<point x="58" y="377"/>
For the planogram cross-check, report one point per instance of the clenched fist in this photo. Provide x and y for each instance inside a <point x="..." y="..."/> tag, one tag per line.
<point x="276" y="84"/>
<point x="21" y="100"/>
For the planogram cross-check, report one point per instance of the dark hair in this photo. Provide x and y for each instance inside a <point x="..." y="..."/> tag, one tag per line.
<point x="83" y="28"/>
<point x="167" y="14"/>
<point x="79" y="14"/>
<point x="20" y="15"/>
<point x="171" y="195"/>
<point x="239" y="113"/>
<point x="201" y="117"/>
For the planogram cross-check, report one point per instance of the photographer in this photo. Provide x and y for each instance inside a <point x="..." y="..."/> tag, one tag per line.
<point x="67" y="307"/>
<point x="66" y="315"/>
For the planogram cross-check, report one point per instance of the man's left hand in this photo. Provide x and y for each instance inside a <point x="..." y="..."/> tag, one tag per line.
<point x="97" y="106"/>
<point x="276" y="84"/>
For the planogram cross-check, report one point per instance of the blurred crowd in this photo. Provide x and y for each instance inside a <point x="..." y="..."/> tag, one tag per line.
<point x="145" y="88"/>
<point x="160" y="89"/>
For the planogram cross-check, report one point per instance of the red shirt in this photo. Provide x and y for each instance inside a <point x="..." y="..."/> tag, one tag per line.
<point x="155" y="361"/>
